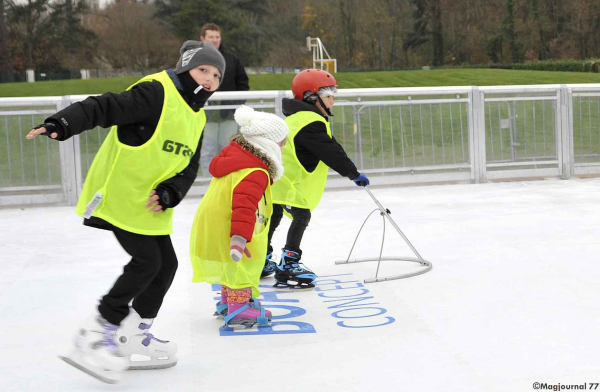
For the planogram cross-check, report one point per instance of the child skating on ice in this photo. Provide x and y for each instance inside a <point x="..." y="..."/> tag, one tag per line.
<point x="229" y="237"/>
<point x="143" y="169"/>
<point x="309" y="154"/>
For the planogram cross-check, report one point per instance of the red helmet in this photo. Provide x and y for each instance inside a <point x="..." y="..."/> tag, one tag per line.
<point x="311" y="80"/>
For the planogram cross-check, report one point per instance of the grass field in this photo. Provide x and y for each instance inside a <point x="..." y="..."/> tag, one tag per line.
<point x="390" y="136"/>
<point x="441" y="77"/>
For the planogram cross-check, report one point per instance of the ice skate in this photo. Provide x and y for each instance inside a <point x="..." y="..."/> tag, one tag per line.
<point x="292" y="274"/>
<point x="221" y="306"/>
<point x="142" y="350"/>
<point x="241" y="316"/>
<point x="270" y="266"/>
<point x="96" y="352"/>
<point x="220" y="309"/>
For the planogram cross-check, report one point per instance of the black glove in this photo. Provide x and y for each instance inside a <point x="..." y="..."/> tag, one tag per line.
<point x="166" y="199"/>
<point x="50" y="129"/>
<point x="361" y="180"/>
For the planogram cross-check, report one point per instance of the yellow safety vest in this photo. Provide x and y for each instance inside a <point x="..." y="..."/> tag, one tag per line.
<point x="210" y="240"/>
<point x="298" y="187"/>
<point x="125" y="175"/>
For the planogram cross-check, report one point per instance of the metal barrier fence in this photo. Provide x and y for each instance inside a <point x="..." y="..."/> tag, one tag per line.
<point x="396" y="135"/>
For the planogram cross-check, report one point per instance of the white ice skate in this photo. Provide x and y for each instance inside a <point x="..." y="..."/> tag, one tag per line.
<point x="96" y="352"/>
<point x="142" y="349"/>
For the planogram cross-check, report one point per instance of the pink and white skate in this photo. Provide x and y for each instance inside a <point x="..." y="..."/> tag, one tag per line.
<point x="247" y="315"/>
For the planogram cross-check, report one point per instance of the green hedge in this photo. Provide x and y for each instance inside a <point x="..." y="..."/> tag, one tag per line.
<point x="589" y="65"/>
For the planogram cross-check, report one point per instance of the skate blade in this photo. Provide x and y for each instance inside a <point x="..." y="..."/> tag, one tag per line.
<point x="244" y="324"/>
<point x="97" y="373"/>
<point x="298" y="286"/>
<point x="153" y="364"/>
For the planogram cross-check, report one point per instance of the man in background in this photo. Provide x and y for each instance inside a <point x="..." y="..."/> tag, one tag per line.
<point x="220" y="125"/>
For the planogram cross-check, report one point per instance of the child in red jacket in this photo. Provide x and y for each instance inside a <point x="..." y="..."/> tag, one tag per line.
<point x="229" y="237"/>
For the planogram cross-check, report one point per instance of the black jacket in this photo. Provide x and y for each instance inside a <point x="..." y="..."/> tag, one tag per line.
<point x="314" y="145"/>
<point x="235" y="79"/>
<point x="136" y="113"/>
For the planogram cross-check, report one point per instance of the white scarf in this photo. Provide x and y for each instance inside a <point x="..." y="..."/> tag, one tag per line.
<point x="271" y="150"/>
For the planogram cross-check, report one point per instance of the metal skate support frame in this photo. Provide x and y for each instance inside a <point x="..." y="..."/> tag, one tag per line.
<point x="385" y="213"/>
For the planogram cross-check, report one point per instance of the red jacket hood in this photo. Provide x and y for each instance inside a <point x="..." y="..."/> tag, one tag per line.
<point x="233" y="158"/>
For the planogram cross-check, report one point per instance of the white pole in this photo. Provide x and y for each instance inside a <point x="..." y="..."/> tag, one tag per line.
<point x="321" y="51"/>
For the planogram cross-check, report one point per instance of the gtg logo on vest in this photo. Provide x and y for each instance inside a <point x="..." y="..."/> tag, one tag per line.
<point x="177" y="148"/>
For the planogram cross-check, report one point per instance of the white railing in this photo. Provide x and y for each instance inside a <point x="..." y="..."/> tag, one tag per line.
<point x="396" y="135"/>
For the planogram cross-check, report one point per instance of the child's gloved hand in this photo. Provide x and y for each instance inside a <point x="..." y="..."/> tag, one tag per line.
<point x="237" y="248"/>
<point x="361" y="180"/>
<point x="160" y="199"/>
<point x="47" y="129"/>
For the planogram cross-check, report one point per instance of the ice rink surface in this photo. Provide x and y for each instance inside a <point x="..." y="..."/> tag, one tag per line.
<point x="512" y="299"/>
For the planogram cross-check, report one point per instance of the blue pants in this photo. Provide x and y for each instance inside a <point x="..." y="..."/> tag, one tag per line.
<point x="216" y="136"/>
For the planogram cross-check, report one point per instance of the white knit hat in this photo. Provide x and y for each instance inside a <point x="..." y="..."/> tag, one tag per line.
<point x="263" y="131"/>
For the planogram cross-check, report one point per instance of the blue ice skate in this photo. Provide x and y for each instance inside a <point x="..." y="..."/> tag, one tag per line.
<point x="290" y="273"/>
<point x="270" y="266"/>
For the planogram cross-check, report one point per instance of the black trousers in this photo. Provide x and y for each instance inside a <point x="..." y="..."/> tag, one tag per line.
<point x="299" y="224"/>
<point x="145" y="280"/>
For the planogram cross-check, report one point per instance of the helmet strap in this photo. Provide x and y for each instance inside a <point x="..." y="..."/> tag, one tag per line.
<point x="323" y="106"/>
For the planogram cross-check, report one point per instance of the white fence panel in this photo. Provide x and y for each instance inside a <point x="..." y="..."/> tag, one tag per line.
<point x="396" y="135"/>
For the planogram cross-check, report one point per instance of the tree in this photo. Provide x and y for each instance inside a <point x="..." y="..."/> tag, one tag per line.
<point x="380" y="45"/>
<point x="348" y="18"/>
<point x="396" y="10"/>
<point x="76" y="43"/>
<point x="438" y="37"/>
<point x="131" y="38"/>
<point x="493" y="48"/>
<point x="508" y="28"/>
<point x="537" y="17"/>
<point x="289" y="44"/>
<point x="246" y="33"/>
<point x="240" y="21"/>
<point x="367" y="34"/>
<point x="27" y="21"/>
<point x="5" y="52"/>
<point x="49" y="35"/>
<point x="427" y="11"/>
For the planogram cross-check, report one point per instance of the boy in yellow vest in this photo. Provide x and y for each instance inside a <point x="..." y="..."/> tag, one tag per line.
<point x="143" y="169"/>
<point x="229" y="237"/>
<point x="311" y="152"/>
